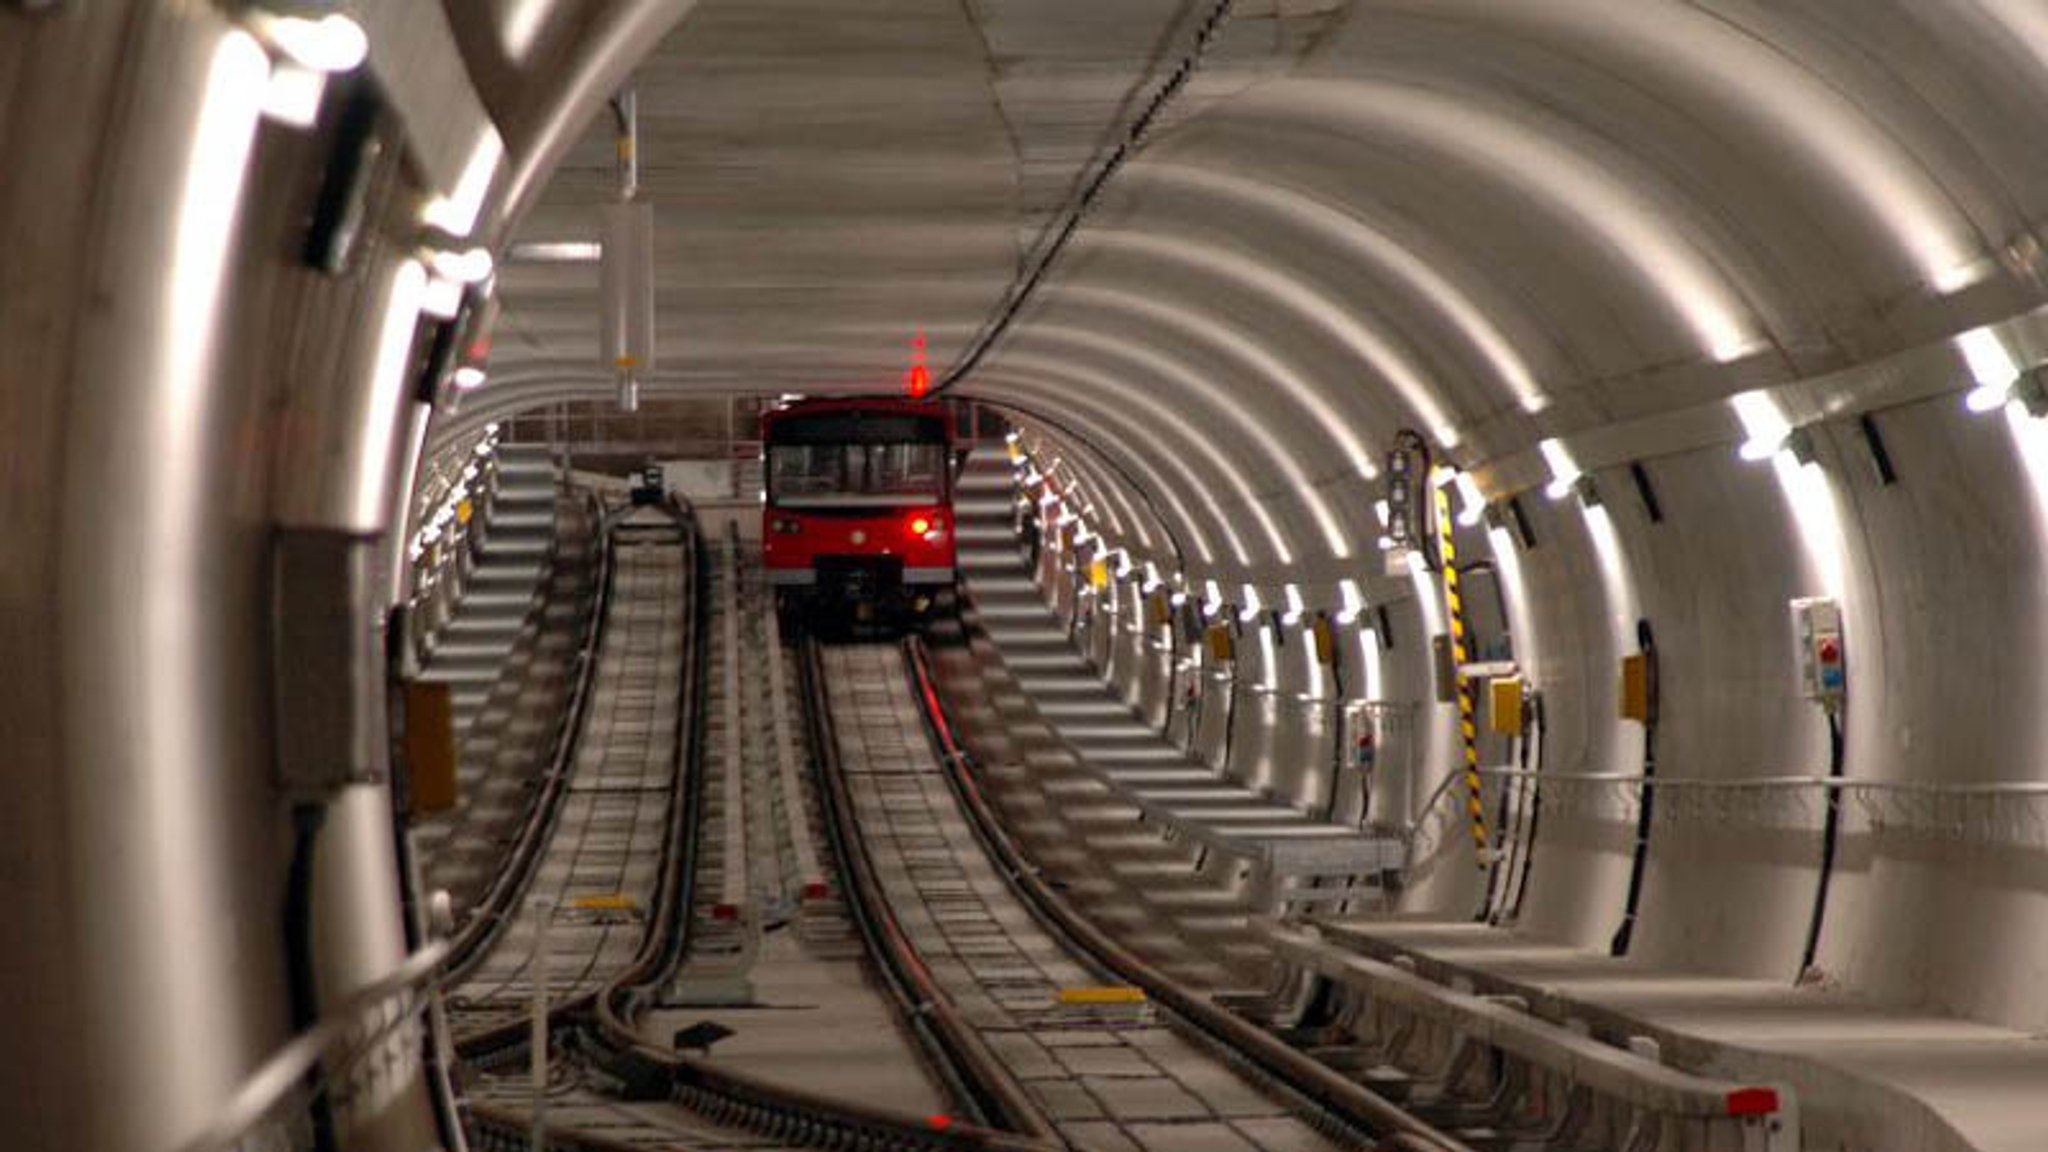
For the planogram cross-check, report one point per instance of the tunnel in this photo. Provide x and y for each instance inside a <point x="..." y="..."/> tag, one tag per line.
<point x="1493" y="544"/>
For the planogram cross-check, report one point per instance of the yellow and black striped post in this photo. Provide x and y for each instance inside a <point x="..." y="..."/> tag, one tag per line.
<point x="1468" y="720"/>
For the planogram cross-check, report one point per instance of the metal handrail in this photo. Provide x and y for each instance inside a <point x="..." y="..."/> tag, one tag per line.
<point x="1839" y="783"/>
<point x="418" y="977"/>
<point x="505" y="895"/>
<point x="2013" y="811"/>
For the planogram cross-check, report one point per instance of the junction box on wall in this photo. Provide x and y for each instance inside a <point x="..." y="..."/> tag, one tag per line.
<point x="1817" y="632"/>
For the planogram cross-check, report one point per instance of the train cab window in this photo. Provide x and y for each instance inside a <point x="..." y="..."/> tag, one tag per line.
<point x="853" y="471"/>
<point x="906" y="469"/>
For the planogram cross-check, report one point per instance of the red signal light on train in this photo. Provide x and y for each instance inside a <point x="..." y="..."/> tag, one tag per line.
<point x="920" y="525"/>
<point x="918" y="382"/>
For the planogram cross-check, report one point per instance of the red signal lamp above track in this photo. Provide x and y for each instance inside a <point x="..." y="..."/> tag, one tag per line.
<point x="918" y="381"/>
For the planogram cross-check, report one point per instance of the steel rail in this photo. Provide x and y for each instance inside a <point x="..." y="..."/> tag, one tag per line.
<point x="1351" y="1109"/>
<point x="607" y="1019"/>
<point x="507" y="892"/>
<point x="932" y="1013"/>
<point x="775" y="1110"/>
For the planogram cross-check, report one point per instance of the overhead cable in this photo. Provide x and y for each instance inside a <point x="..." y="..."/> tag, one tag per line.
<point x="1060" y="229"/>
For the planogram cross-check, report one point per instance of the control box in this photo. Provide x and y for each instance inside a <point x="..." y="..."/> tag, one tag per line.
<point x="1817" y="634"/>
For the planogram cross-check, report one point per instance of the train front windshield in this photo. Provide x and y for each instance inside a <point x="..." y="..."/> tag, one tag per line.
<point x="835" y="460"/>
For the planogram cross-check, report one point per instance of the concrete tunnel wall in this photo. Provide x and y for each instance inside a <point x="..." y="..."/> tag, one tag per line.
<point x="1943" y="691"/>
<point x="1256" y="224"/>
<point x="178" y="388"/>
<point x="1496" y="223"/>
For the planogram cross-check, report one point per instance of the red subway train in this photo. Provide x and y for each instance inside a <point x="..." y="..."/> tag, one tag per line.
<point x="858" y="518"/>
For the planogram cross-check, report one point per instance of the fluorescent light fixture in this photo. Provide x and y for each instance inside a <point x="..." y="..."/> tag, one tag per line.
<point x="1178" y="599"/>
<point x="1564" y="471"/>
<point x="1426" y="592"/>
<point x="331" y="43"/>
<point x="1990" y="363"/>
<point x="555" y="252"/>
<point x="1381" y="510"/>
<point x="1353" y="599"/>
<point x="1152" y="581"/>
<point x="470" y="266"/>
<point x="1733" y="345"/>
<point x="1766" y="426"/>
<point x="521" y="25"/>
<point x="1369" y="662"/>
<point x="1470" y="499"/>
<point x="387" y="387"/>
<point x="484" y="446"/>
<point x="1011" y="437"/>
<point x="1213" y="602"/>
<point x="1123" y="564"/>
<point x="1984" y="399"/>
<point x="1312" y="664"/>
<point x="1991" y="366"/>
<point x="469" y="377"/>
<point x="443" y="298"/>
<point x="456" y="212"/>
<point x="293" y="95"/>
<point x="1959" y="276"/>
<point x="1295" y="608"/>
<point x="1252" y="605"/>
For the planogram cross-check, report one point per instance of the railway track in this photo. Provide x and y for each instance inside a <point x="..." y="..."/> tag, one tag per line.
<point x="1095" y="1056"/>
<point x="592" y="885"/>
<point x="741" y="851"/>
<point x="701" y="897"/>
<point x="758" y="869"/>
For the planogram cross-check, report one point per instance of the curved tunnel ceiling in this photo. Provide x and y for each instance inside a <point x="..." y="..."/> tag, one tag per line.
<point x="1589" y="247"/>
<point x="1493" y="222"/>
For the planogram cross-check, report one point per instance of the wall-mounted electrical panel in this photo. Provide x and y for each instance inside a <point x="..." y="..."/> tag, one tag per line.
<point x="1635" y="687"/>
<point x="1505" y="696"/>
<point x="1817" y="634"/>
